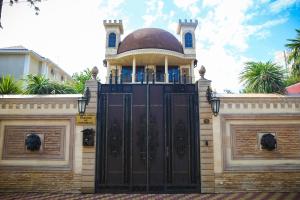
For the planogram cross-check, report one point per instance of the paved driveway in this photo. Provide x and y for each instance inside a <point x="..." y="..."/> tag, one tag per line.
<point x="233" y="196"/>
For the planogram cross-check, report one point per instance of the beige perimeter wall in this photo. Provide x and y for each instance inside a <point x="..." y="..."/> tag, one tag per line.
<point x="57" y="166"/>
<point x="240" y="162"/>
<point x="231" y="156"/>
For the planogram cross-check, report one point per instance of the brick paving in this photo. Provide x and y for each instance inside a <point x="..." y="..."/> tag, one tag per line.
<point x="229" y="196"/>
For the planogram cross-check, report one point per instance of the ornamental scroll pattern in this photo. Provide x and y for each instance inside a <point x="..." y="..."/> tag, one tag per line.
<point x="115" y="139"/>
<point x="152" y="138"/>
<point x="180" y="139"/>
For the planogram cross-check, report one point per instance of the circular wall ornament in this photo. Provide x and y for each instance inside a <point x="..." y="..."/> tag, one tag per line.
<point x="33" y="142"/>
<point x="268" y="142"/>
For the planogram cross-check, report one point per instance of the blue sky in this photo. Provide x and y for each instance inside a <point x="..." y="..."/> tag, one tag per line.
<point x="70" y="32"/>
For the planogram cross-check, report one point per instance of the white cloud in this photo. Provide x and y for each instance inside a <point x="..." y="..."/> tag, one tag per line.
<point x="154" y="12"/>
<point x="188" y="5"/>
<point x="222" y="37"/>
<point x="279" y="5"/>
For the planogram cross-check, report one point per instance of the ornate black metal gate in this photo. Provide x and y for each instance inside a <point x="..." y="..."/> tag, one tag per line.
<point x="147" y="138"/>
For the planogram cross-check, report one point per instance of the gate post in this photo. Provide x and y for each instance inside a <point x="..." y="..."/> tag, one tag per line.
<point x="89" y="152"/>
<point x="206" y="137"/>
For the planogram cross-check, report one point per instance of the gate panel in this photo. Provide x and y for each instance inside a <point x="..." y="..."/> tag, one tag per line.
<point x="156" y="138"/>
<point x="180" y="139"/>
<point x="139" y="138"/>
<point x="147" y="138"/>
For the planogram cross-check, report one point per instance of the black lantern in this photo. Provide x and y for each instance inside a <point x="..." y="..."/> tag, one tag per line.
<point x="84" y="101"/>
<point x="215" y="105"/>
<point x="81" y="105"/>
<point x="213" y="100"/>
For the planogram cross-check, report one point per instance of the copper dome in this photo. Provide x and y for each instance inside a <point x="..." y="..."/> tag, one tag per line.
<point x="150" y="38"/>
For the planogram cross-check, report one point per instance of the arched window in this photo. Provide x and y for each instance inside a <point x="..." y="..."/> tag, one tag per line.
<point x="112" y="40"/>
<point x="188" y="38"/>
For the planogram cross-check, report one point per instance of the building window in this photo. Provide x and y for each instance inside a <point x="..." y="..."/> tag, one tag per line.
<point x="140" y="75"/>
<point x="126" y="74"/>
<point x="52" y="72"/>
<point x="160" y="73"/>
<point x="188" y="38"/>
<point x="173" y="73"/>
<point x="112" y="40"/>
<point x="62" y="78"/>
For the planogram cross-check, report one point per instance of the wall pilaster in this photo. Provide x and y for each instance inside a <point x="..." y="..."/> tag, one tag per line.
<point x="89" y="153"/>
<point x="206" y="139"/>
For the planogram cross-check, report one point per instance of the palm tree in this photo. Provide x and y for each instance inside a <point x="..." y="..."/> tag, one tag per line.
<point x="8" y="85"/>
<point x="37" y="84"/>
<point x="259" y="77"/>
<point x="294" y="56"/>
<point x="80" y="78"/>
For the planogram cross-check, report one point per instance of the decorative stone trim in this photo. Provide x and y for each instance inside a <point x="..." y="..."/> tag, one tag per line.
<point x="151" y="51"/>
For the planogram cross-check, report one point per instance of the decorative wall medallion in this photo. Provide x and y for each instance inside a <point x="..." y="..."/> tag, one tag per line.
<point x="268" y="142"/>
<point x="180" y="134"/>
<point x="115" y="138"/>
<point x="33" y="142"/>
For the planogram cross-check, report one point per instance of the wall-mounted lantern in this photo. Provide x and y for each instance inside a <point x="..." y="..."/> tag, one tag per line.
<point x="213" y="100"/>
<point x="84" y="101"/>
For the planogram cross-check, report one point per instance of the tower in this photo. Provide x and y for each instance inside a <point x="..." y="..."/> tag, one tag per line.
<point x="186" y="30"/>
<point x="114" y="30"/>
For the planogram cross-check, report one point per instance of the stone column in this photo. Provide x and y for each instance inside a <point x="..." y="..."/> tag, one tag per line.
<point x="89" y="153"/>
<point x="133" y="69"/>
<point x="206" y="137"/>
<point x="192" y="78"/>
<point x="107" y="72"/>
<point x="166" y="70"/>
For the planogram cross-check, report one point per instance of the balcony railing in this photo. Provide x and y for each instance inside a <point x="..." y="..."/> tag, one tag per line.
<point x="149" y="78"/>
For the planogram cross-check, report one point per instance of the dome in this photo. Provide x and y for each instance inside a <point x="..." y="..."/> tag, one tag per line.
<point x="153" y="38"/>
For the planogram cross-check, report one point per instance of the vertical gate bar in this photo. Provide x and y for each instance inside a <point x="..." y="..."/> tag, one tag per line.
<point x="169" y="138"/>
<point x="165" y="136"/>
<point x="147" y="135"/>
<point x="131" y="140"/>
<point x="191" y="140"/>
<point x="123" y="135"/>
<point x="105" y="139"/>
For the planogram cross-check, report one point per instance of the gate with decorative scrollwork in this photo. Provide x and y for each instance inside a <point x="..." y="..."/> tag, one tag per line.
<point x="147" y="138"/>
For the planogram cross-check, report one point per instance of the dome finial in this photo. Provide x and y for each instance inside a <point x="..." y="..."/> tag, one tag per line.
<point x="95" y="73"/>
<point x="202" y="71"/>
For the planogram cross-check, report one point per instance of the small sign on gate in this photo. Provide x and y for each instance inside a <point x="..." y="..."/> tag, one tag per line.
<point x="86" y="119"/>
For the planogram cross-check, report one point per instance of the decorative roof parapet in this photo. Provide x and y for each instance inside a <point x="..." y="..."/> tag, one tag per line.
<point x="189" y="23"/>
<point x="114" y="22"/>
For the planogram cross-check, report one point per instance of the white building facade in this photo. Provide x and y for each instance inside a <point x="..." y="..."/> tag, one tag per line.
<point x="19" y="61"/>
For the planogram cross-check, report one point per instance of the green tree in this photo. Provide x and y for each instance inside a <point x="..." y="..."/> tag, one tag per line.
<point x="294" y="55"/>
<point x="80" y="78"/>
<point x="8" y="85"/>
<point x="259" y="77"/>
<point x="37" y="84"/>
<point x="291" y="80"/>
